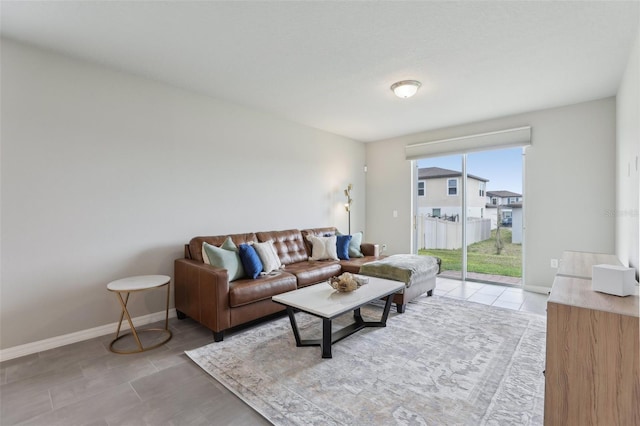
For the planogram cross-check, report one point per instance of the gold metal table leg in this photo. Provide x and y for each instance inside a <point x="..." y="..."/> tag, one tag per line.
<point x="125" y="312"/>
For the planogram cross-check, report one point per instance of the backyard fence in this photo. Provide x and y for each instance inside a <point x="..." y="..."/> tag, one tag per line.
<point x="435" y="233"/>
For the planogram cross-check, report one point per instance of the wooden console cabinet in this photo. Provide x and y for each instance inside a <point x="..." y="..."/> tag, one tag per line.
<point x="592" y="372"/>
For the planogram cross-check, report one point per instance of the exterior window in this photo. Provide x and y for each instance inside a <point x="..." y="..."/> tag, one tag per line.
<point x="435" y="212"/>
<point x="494" y="201"/>
<point x="452" y="186"/>
<point x="421" y="188"/>
<point x="482" y="186"/>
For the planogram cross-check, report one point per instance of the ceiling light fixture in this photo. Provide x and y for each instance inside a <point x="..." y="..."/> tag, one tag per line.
<point x="405" y="88"/>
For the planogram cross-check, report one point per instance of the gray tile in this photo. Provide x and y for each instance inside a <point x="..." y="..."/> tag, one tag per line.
<point x="182" y="336"/>
<point x="39" y="383"/>
<point x="97" y="383"/>
<point x="486" y="299"/>
<point x="535" y="305"/>
<point x="55" y="359"/>
<point x="89" y="410"/>
<point x="99" y="365"/>
<point x="509" y="305"/>
<point x="493" y="290"/>
<point x="175" y="355"/>
<point x="75" y="351"/>
<point x="536" y="297"/>
<point x="472" y="285"/>
<point x="461" y="293"/>
<point x="447" y="285"/>
<point x="87" y="370"/>
<point x="533" y="309"/>
<point x="197" y="399"/>
<point x="166" y="381"/>
<point x="512" y="297"/>
<point x="15" y="408"/>
<point x="14" y="364"/>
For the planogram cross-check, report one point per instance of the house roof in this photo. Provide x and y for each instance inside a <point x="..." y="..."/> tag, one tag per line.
<point x="503" y="194"/>
<point x="438" y="172"/>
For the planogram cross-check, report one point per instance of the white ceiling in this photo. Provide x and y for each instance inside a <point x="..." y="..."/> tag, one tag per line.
<point x="329" y="65"/>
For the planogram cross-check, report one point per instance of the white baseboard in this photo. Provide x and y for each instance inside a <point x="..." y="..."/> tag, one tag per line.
<point x="78" y="336"/>
<point x="537" y="289"/>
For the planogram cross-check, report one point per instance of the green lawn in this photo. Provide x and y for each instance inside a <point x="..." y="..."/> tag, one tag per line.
<point x="482" y="257"/>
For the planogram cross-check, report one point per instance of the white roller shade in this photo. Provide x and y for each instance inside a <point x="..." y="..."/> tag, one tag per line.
<point x="509" y="138"/>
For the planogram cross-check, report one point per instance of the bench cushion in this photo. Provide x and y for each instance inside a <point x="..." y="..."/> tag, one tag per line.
<point x="402" y="267"/>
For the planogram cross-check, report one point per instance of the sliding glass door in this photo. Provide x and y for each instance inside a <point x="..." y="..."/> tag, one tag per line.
<point x="469" y="213"/>
<point x="439" y="212"/>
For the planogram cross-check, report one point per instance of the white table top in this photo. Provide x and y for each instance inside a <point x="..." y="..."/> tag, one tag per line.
<point x="141" y="282"/>
<point x="322" y="300"/>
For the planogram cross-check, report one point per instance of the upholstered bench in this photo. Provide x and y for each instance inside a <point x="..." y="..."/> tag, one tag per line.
<point x="417" y="272"/>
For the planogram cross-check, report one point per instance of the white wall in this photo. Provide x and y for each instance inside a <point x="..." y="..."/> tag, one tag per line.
<point x="627" y="152"/>
<point x="572" y="154"/>
<point x="106" y="175"/>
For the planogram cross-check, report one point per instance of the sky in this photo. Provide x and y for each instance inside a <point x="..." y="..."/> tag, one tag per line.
<point x="502" y="167"/>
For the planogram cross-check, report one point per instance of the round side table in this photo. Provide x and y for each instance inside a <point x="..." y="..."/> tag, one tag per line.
<point x="131" y="285"/>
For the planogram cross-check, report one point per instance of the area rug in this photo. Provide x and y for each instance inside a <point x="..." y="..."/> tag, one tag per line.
<point x="443" y="362"/>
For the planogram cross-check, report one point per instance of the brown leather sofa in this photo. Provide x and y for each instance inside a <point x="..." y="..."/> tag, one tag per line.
<point x="204" y="293"/>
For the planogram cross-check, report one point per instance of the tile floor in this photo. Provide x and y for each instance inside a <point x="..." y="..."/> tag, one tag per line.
<point x="496" y="295"/>
<point x="85" y="384"/>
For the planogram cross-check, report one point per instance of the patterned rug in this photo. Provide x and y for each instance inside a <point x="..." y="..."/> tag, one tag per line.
<point x="443" y="362"/>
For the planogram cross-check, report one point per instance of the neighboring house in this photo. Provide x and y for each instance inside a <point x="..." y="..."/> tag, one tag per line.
<point x="502" y="198"/>
<point x="507" y="201"/>
<point x="440" y="193"/>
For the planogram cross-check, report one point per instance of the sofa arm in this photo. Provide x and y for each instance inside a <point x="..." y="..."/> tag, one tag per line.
<point x="369" y="249"/>
<point x="202" y="293"/>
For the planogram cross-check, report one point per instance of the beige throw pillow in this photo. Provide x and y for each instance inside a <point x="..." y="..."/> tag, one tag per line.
<point x="268" y="255"/>
<point x="324" y="248"/>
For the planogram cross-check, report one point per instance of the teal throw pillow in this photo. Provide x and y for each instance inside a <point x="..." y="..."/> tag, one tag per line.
<point x="226" y="257"/>
<point x="354" y="245"/>
<point x="250" y="260"/>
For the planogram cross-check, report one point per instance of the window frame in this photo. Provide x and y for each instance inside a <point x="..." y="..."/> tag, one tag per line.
<point x="449" y="188"/>
<point x="424" y="188"/>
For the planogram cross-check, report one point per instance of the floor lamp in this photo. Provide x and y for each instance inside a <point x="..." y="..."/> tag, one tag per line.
<point x="347" y="206"/>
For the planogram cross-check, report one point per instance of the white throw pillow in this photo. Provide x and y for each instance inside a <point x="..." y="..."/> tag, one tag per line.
<point x="324" y="248"/>
<point x="205" y="256"/>
<point x="268" y="256"/>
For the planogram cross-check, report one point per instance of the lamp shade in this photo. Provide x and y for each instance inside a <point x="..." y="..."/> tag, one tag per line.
<point x="405" y="88"/>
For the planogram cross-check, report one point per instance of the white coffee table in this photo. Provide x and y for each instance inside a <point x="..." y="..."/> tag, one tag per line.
<point x="322" y="301"/>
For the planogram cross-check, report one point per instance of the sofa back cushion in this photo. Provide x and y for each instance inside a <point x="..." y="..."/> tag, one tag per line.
<point x="289" y="245"/>
<point x="195" y="245"/>
<point x="316" y="232"/>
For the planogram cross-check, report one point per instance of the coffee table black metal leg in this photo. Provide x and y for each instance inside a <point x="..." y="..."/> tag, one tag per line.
<point x="294" y="325"/>
<point x="387" y="308"/>
<point x="326" y="338"/>
<point x="357" y="316"/>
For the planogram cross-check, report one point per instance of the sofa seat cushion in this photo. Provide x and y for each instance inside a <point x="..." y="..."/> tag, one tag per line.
<point x="312" y="272"/>
<point x="245" y="291"/>
<point x="353" y="264"/>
